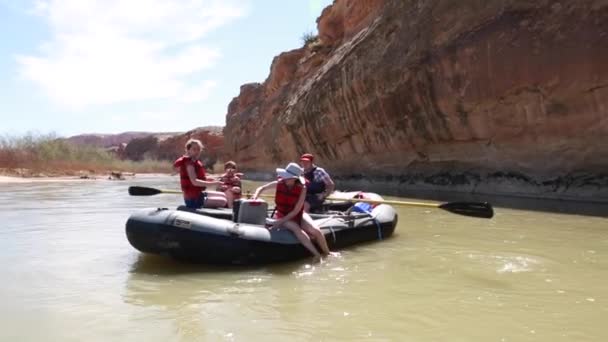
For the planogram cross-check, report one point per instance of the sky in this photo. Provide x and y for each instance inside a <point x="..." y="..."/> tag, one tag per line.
<point x="108" y="66"/>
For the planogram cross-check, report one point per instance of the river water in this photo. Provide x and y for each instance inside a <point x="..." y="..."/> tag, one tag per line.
<point x="69" y="274"/>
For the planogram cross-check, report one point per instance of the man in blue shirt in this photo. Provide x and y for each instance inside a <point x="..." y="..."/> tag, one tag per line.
<point x="319" y="185"/>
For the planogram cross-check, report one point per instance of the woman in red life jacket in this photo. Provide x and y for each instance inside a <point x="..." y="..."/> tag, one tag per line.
<point x="289" y="199"/>
<point x="194" y="180"/>
<point x="231" y="183"/>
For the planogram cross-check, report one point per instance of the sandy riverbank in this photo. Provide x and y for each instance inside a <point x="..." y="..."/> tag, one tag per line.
<point x="11" y="179"/>
<point x="89" y="178"/>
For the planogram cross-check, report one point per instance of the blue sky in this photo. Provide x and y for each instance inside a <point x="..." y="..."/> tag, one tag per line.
<point x="108" y="66"/>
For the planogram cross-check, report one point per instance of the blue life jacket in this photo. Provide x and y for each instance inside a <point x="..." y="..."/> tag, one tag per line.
<point x="362" y="207"/>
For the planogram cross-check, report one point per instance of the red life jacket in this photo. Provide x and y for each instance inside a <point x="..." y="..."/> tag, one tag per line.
<point x="190" y="190"/>
<point x="286" y="200"/>
<point x="230" y="181"/>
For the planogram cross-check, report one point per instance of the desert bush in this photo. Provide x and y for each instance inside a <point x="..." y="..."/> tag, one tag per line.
<point x="46" y="153"/>
<point x="308" y="38"/>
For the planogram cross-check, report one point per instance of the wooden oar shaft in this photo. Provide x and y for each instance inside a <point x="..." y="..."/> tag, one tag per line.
<point x="473" y="209"/>
<point x="354" y="200"/>
<point x="371" y="201"/>
<point x="177" y="192"/>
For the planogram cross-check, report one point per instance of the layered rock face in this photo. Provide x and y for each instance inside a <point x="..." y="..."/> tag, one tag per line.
<point x="171" y="147"/>
<point x="115" y="140"/>
<point x="211" y="137"/>
<point x="493" y="96"/>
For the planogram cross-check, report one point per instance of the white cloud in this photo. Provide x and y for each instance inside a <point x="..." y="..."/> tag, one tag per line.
<point x="197" y="93"/>
<point x="112" y="51"/>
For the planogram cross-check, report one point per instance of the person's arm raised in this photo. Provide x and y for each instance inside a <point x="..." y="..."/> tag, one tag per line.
<point x="263" y="188"/>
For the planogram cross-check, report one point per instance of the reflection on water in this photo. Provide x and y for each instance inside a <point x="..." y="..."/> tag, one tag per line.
<point x="522" y="276"/>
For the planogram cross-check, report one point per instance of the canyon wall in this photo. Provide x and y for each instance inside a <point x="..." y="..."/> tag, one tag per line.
<point x="479" y="96"/>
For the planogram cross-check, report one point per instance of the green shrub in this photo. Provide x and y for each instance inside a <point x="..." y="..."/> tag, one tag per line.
<point x="308" y="38"/>
<point x="49" y="154"/>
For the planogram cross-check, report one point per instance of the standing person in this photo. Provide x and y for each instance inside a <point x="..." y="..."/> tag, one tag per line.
<point x="289" y="200"/>
<point x="231" y="183"/>
<point x="194" y="180"/>
<point x="320" y="185"/>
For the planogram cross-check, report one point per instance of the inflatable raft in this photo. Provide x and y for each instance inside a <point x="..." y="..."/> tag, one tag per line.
<point x="241" y="237"/>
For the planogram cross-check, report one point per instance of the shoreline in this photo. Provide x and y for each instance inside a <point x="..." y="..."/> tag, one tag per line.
<point x="4" y="178"/>
<point x="581" y="188"/>
<point x="593" y="191"/>
<point x="557" y="203"/>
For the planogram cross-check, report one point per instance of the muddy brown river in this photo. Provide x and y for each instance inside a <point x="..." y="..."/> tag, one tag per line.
<point x="69" y="274"/>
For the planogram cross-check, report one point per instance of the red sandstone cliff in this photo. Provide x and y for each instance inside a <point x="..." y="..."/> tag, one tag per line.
<point x="211" y="137"/>
<point x="164" y="146"/>
<point x="114" y="140"/>
<point x="475" y="95"/>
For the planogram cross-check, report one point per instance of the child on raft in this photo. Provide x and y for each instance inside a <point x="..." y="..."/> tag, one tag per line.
<point x="289" y="200"/>
<point x="231" y="183"/>
<point x="194" y="181"/>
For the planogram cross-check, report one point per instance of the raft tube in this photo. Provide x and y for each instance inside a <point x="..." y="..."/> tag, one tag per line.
<point x="201" y="238"/>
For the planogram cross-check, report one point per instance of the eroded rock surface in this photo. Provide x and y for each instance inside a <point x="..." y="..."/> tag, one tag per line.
<point x="491" y="96"/>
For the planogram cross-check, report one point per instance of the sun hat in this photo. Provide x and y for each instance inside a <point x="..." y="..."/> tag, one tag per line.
<point x="292" y="170"/>
<point x="307" y="156"/>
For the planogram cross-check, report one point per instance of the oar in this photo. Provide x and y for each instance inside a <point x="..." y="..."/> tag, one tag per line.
<point x="145" y="191"/>
<point x="474" y="209"/>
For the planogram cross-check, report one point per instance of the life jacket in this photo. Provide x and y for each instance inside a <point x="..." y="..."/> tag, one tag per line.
<point x="313" y="187"/>
<point x="286" y="199"/>
<point x="230" y="181"/>
<point x="364" y="207"/>
<point x="190" y="190"/>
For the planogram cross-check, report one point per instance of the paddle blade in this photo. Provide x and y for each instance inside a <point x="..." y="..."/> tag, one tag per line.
<point x="143" y="191"/>
<point x="475" y="209"/>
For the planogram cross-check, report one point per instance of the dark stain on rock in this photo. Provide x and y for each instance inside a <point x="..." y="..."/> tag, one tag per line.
<point x="557" y="109"/>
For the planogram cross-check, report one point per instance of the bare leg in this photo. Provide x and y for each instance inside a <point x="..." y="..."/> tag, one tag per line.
<point x="215" y="199"/>
<point x="309" y="226"/>
<point x="302" y="237"/>
<point x="229" y="197"/>
<point x="306" y="207"/>
<point x="232" y="195"/>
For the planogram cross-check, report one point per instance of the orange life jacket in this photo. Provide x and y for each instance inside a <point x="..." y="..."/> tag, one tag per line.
<point x="190" y="190"/>
<point x="286" y="200"/>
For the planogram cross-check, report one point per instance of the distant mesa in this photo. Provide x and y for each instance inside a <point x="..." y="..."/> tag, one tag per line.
<point x="114" y="140"/>
<point x="138" y="146"/>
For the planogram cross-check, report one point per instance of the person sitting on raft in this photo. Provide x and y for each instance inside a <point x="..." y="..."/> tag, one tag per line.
<point x="289" y="199"/>
<point x="320" y="185"/>
<point x="231" y="183"/>
<point x="194" y="180"/>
